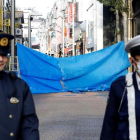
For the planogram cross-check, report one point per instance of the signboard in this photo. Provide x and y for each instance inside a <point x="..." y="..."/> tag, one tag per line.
<point x="76" y="33"/>
<point x="89" y="42"/>
<point x="66" y="50"/>
<point x="70" y="13"/>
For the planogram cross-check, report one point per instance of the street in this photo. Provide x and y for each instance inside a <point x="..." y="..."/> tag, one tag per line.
<point x="70" y="116"/>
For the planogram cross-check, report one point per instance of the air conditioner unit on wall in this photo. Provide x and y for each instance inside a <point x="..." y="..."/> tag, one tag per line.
<point x="18" y="40"/>
<point x="18" y="31"/>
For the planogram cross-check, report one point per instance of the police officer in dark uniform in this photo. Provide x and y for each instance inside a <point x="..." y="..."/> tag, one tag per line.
<point x="18" y="119"/>
<point x="122" y="116"/>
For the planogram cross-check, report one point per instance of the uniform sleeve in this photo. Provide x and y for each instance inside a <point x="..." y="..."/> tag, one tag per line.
<point x="30" y="121"/>
<point x="110" y="119"/>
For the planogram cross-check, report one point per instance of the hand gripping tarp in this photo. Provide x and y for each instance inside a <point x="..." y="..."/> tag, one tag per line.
<point x="40" y="71"/>
<point x="95" y="71"/>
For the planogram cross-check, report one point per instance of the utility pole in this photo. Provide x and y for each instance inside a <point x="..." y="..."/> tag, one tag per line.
<point x="50" y="42"/>
<point x="56" y="39"/>
<point x="12" y="32"/>
<point x="63" y="33"/>
<point x="1" y="15"/>
<point x="73" y="12"/>
<point x="29" y="30"/>
<point x="95" y="25"/>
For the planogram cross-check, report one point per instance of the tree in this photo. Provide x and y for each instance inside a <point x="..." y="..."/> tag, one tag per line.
<point x="118" y="7"/>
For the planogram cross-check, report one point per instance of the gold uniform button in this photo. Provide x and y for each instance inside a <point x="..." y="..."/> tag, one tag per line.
<point x="11" y="134"/>
<point x="10" y="116"/>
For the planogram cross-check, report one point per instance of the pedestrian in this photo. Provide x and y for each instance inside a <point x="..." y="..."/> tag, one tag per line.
<point x="60" y="50"/>
<point x="81" y="47"/>
<point x="122" y="116"/>
<point x="18" y="119"/>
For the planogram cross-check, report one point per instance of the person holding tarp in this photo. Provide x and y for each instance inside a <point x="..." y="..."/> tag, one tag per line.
<point x="18" y="120"/>
<point x="122" y="116"/>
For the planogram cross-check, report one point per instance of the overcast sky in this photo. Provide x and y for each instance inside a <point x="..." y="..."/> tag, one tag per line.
<point x="42" y="6"/>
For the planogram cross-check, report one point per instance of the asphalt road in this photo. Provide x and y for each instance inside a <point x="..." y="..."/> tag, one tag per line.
<point x="70" y="116"/>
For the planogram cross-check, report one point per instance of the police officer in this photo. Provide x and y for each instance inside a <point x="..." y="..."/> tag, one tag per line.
<point x="122" y="116"/>
<point x="18" y="120"/>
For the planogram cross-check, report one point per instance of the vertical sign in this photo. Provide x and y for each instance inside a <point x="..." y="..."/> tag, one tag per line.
<point x="70" y="13"/>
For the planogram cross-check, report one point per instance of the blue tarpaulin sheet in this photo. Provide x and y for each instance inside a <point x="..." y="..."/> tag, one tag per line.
<point x="95" y="71"/>
<point x="90" y="72"/>
<point x="39" y="70"/>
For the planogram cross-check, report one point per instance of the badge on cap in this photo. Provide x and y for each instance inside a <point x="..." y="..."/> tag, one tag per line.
<point x="14" y="100"/>
<point x="4" y="42"/>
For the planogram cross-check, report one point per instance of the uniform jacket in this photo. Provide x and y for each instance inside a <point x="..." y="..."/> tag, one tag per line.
<point x="17" y="121"/>
<point x="116" y="124"/>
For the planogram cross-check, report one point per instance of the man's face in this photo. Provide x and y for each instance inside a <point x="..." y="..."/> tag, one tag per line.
<point x="3" y="61"/>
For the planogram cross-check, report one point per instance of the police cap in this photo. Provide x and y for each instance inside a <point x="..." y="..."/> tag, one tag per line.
<point x="5" y="43"/>
<point x="133" y="45"/>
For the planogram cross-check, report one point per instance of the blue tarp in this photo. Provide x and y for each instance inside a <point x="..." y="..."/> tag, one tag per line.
<point x="40" y="71"/>
<point x="94" y="71"/>
<point x="89" y="72"/>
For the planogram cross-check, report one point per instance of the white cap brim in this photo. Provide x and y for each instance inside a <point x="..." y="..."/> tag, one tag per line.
<point x="132" y="43"/>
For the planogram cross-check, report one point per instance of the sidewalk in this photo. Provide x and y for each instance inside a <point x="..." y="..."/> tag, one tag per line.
<point x="70" y="116"/>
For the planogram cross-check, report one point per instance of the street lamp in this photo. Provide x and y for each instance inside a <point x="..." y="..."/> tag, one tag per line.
<point x="63" y="36"/>
<point x="63" y="8"/>
<point x="30" y="18"/>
